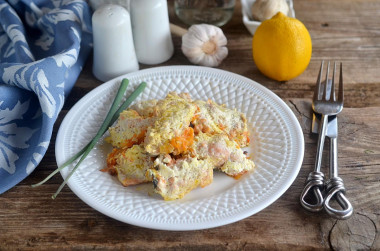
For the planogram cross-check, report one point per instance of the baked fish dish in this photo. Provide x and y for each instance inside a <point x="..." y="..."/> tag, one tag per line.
<point x="176" y="144"/>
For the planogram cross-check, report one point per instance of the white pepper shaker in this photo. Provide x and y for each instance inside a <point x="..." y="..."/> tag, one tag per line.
<point x="151" y="31"/>
<point x="114" y="51"/>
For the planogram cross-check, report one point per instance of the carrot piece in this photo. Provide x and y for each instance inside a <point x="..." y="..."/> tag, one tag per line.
<point x="183" y="143"/>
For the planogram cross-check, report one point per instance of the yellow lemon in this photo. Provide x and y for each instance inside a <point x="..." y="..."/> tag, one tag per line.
<point x="281" y="47"/>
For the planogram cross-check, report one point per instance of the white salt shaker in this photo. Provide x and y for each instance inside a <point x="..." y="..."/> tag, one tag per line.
<point x="151" y="31"/>
<point x="96" y="4"/>
<point x="114" y="52"/>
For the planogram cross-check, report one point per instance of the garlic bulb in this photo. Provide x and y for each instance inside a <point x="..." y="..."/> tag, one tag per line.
<point x="266" y="9"/>
<point x="205" y="44"/>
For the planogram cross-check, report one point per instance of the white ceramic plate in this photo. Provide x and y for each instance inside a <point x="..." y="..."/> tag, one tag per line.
<point x="277" y="148"/>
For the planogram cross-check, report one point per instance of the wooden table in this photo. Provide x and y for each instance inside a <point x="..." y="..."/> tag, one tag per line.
<point x="347" y="31"/>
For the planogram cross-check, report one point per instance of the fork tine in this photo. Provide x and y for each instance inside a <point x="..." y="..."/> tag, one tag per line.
<point x="327" y="80"/>
<point x="318" y="85"/>
<point x="341" y="91"/>
<point x="332" y="95"/>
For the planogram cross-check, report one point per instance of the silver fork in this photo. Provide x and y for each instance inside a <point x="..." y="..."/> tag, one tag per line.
<point x="334" y="186"/>
<point x="326" y="106"/>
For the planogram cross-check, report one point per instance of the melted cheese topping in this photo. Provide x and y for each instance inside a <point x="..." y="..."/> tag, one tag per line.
<point x="223" y="153"/>
<point x="214" y="118"/>
<point x="173" y="180"/>
<point x="132" y="164"/>
<point x="173" y="121"/>
<point x="130" y="129"/>
<point x="175" y="143"/>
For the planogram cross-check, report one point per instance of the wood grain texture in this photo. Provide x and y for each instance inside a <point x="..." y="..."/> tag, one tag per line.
<point x="347" y="31"/>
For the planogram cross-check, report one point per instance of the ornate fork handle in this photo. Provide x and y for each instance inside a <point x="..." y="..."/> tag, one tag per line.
<point x="313" y="188"/>
<point x="315" y="179"/>
<point x="335" y="188"/>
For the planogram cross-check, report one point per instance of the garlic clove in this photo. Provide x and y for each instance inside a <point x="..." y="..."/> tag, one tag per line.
<point x="193" y="43"/>
<point x="205" y="45"/>
<point x="222" y="53"/>
<point x="199" y="32"/>
<point x="220" y="40"/>
<point x="266" y="9"/>
<point x="209" y="61"/>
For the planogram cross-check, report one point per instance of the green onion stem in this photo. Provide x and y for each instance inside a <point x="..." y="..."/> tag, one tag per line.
<point x="128" y="101"/>
<point x="68" y="162"/>
<point x="115" y="104"/>
<point x="116" y="114"/>
<point x="88" y="150"/>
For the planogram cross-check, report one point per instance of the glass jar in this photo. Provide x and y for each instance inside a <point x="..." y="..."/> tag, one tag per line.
<point x="216" y="12"/>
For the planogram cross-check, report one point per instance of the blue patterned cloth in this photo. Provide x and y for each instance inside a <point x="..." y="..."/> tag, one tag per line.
<point x="43" y="47"/>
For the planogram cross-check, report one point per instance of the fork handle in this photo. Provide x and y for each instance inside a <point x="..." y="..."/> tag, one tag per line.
<point x="311" y="197"/>
<point x="335" y="188"/>
<point x="321" y="142"/>
<point x="315" y="180"/>
<point x="337" y="191"/>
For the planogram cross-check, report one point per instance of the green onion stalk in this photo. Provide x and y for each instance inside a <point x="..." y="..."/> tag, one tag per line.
<point x="111" y="117"/>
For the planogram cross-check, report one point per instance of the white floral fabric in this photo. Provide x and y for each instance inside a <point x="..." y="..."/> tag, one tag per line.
<point x="43" y="46"/>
